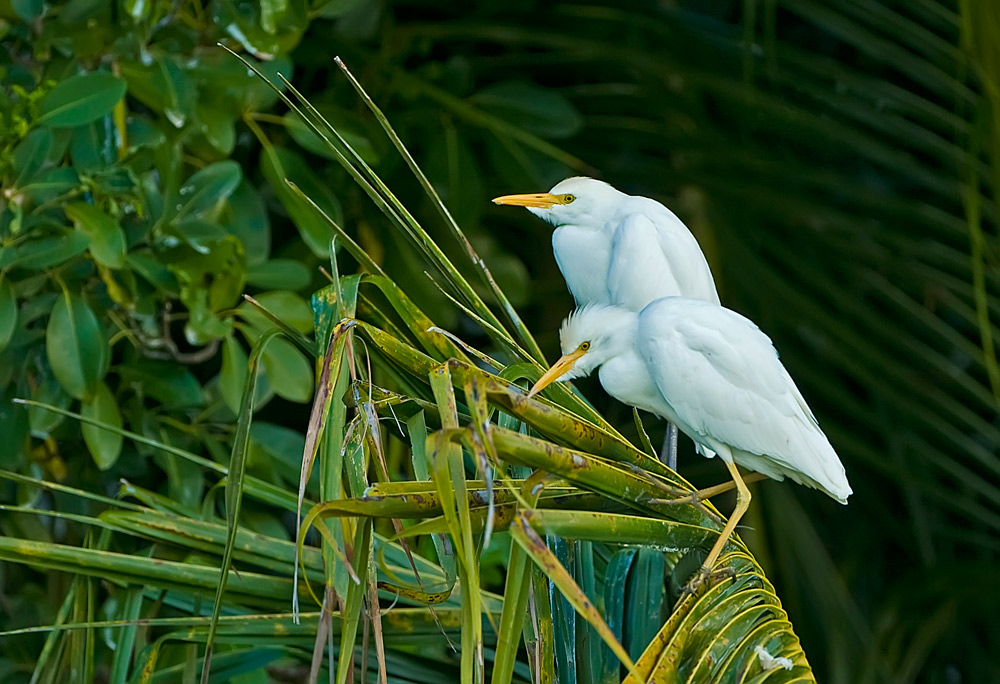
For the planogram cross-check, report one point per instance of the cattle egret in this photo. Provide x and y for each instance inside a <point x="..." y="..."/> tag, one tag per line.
<point x="620" y="249"/>
<point x="715" y="375"/>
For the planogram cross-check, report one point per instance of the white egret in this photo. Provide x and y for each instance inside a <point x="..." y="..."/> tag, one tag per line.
<point x="620" y="249"/>
<point x="614" y="248"/>
<point x="715" y="375"/>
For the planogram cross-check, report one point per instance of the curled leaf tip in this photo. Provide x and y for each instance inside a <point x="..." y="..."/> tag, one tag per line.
<point x="344" y="325"/>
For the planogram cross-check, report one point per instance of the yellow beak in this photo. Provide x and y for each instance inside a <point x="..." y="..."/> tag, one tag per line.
<point x="541" y="200"/>
<point x="558" y="369"/>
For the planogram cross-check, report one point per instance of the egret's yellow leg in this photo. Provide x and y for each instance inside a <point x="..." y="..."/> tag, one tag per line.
<point x="742" y="503"/>
<point x="709" y="492"/>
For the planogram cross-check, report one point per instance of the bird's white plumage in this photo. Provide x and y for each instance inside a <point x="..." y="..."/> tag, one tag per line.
<point x="716" y="376"/>
<point x="584" y="257"/>
<point x="614" y="248"/>
<point x="654" y="255"/>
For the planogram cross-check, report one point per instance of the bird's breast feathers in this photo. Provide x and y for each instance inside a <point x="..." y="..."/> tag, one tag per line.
<point x="583" y="256"/>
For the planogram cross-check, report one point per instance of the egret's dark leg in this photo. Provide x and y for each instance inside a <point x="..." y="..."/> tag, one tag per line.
<point x="668" y="453"/>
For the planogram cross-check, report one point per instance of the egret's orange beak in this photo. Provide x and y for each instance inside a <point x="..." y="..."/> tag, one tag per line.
<point x="558" y="369"/>
<point x="541" y="200"/>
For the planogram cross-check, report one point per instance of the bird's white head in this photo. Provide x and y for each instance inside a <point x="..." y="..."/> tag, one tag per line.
<point x="590" y="336"/>
<point x="579" y="201"/>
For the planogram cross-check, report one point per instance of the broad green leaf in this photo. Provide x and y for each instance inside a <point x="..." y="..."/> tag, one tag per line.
<point x="142" y="262"/>
<point x="76" y="347"/>
<point x="288" y="372"/>
<point x="48" y="391"/>
<point x="107" y="239"/>
<point x="163" y="86"/>
<point x="247" y="219"/>
<point x="233" y="375"/>
<point x="279" y="274"/>
<point x="8" y="312"/>
<point x="30" y="154"/>
<point x="246" y="24"/>
<point x="81" y="99"/>
<point x="289" y="307"/>
<point x="105" y="446"/>
<point x="51" y="183"/>
<point x="28" y="10"/>
<point x="200" y="236"/>
<point x="219" y="128"/>
<point x="204" y="191"/>
<point x="140" y="133"/>
<point x="211" y="272"/>
<point x="45" y="252"/>
<point x="279" y="449"/>
<point x="92" y="147"/>
<point x="173" y="385"/>
<point x="278" y="164"/>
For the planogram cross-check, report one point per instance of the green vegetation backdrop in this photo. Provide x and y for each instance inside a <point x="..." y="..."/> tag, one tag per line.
<point x="837" y="162"/>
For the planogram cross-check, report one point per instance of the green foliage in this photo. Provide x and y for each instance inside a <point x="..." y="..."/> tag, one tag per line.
<point x="836" y="160"/>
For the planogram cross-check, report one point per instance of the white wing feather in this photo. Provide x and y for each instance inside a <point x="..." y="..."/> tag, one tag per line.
<point x="724" y="386"/>
<point x="654" y="255"/>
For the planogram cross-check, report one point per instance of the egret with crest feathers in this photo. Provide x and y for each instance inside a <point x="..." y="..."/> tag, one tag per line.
<point x="715" y="375"/>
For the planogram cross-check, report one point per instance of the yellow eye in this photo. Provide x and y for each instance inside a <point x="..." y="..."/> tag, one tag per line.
<point x="567" y="199"/>
<point x="585" y="346"/>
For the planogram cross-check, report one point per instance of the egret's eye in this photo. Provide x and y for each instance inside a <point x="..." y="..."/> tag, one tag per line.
<point x="585" y="346"/>
<point x="567" y="199"/>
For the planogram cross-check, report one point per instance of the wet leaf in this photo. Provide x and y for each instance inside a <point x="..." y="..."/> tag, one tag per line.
<point x="219" y="128"/>
<point x="233" y="375"/>
<point x="279" y="163"/>
<point x="249" y="23"/>
<point x="28" y="10"/>
<point x="30" y="154"/>
<point x="48" y="391"/>
<point x="288" y="372"/>
<point x="105" y="446"/>
<point x="247" y="219"/>
<point x="8" y="312"/>
<point x="45" y="252"/>
<point x="163" y="86"/>
<point x="76" y="347"/>
<point x="290" y="307"/>
<point x="81" y="99"/>
<point x="107" y="240"/>
<point x="279" y="274"/>
<point x="203" y="193"/>
<point x="169" y="383"/>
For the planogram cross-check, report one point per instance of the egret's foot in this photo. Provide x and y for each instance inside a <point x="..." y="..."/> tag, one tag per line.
<point x="704" y="578"/>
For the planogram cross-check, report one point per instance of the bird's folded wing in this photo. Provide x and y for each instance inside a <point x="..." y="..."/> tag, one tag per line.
<point x="722" y="379"/>
<point x="654" y="255"/>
